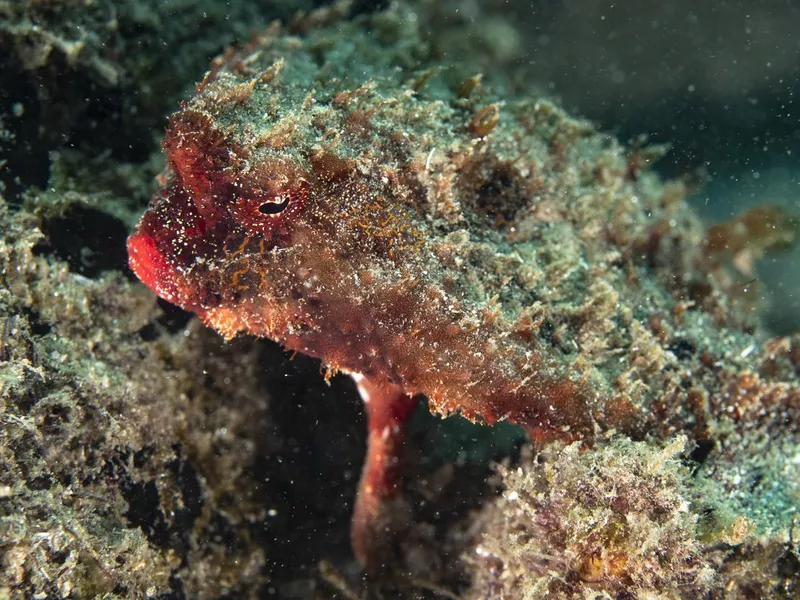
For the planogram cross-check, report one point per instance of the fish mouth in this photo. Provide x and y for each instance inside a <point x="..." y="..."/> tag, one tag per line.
<point x="150" y="266"/>
<point x="155" y="271"/>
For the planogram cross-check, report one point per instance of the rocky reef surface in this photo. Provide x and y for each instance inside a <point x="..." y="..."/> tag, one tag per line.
<point x="143" y="456"/>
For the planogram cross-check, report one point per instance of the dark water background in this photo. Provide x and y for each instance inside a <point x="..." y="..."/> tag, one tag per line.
<point x="718" y="81"/>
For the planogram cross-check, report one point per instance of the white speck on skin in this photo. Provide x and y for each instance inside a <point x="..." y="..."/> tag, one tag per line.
<point x="428" y="160"/>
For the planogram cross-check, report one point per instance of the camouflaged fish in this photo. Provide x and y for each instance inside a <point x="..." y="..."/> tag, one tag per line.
<point x="433" y="234"/>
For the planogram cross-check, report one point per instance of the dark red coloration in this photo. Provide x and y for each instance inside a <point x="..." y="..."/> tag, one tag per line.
<point x="219" y="206"/>
<point x="503" y="262"/>
<point x="168" y="241"/>
<point x="202" y="161"/>
<point x="389" y="409"/>
<point x="150" y="265"/>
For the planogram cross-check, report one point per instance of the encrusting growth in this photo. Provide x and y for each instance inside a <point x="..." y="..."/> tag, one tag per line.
<point x="621" y="521"/>
<point x="481" y="249"/>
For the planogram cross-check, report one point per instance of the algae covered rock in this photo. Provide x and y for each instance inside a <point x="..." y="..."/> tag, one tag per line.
<point x="624" y="520"/>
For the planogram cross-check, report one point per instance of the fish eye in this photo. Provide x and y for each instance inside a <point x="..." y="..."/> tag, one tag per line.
<point x="275" y="205"/>
<point x="270" y="207"/>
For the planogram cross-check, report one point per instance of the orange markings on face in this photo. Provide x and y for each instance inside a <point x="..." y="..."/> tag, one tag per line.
<point x="235" y="279"/>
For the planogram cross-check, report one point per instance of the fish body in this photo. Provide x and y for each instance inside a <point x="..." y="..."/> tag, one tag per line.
<point x="350" y="218"/>
<point x="435" y="235"/>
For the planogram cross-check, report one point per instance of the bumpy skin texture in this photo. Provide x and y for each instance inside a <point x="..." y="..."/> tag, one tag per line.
<point x="337" y="192"/>
<point x="308" y="218"/>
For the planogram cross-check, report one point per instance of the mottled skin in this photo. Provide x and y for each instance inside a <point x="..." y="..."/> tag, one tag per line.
<point x="317" y="279"/>
<point x="322" y="193"/>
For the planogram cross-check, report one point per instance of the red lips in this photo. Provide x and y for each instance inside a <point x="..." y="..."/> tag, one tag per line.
<point x="151" y="267"/>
